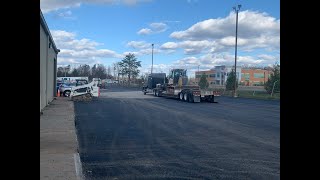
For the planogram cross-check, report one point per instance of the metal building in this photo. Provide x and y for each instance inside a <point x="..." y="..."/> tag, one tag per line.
<point x="48" y="64"/>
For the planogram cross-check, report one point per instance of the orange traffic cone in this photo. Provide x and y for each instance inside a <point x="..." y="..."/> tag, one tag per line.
<point x="58" y="94"/>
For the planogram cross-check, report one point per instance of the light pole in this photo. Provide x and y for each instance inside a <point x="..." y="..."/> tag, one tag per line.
<point x="235" y="54"/>
<point x="152" y="60"/>
<point x="273" y="87"/>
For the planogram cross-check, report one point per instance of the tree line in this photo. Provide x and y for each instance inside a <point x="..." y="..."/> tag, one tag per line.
<point x="127" y="68"/>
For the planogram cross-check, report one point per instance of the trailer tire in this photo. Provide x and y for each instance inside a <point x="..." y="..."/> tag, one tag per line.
<point x="190" y="98"/>
<point x="211" y="99"/>
<point x="186" y="96"/>
<point x="181" y="96"/>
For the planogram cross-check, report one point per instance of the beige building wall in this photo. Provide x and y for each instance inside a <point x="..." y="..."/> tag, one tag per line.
<point x="48" y="65"/>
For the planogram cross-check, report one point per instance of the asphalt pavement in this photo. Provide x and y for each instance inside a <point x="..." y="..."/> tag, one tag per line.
<point x="127" y="135"/>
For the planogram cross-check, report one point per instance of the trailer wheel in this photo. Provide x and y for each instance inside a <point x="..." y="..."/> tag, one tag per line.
<point x="181" y="96"/>
<point x="190" y="98"/>
<point x="211" y="99"/>
<point x="186" y="96"/>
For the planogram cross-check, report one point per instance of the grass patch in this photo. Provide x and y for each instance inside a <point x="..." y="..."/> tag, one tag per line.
<point x="254" y="95"/>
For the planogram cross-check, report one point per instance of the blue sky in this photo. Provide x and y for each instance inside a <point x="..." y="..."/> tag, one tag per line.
<point x="186" y="33"/>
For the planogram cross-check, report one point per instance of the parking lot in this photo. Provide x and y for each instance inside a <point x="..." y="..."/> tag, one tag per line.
<point x="124" y="134"/>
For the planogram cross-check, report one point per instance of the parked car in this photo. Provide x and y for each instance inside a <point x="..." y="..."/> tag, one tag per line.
<point x="65" y="88"/>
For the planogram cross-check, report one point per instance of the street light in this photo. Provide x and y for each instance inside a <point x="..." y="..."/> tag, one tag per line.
<point x="152" y="60"/>
<point x="235" y="56"/>
<point x="273" y="87"/>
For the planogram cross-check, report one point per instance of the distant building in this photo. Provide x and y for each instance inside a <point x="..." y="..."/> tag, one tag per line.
<point x="48" y="64"/>
<point x="210" y="76"/>
<point x="222" y="73"/>
<point x="254" y="77"/>
<point x="246" y="76"/>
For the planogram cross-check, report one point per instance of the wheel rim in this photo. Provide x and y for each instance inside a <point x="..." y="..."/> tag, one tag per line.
<point x="181" y="96"/>
<point x="185" y="96"/>
<point x="67" y="94"/>
<point x="157" y="93"/>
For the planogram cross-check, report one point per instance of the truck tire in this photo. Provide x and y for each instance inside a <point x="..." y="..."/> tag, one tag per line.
<point x="66" y="93"/>
<point x="211" y="99"/>
<point x="191" y="98"/>
<point x="181" y="96"/>
<point x="144" y="93"/>
<point x="186" y="96"/>
<point x="157" y="93"/>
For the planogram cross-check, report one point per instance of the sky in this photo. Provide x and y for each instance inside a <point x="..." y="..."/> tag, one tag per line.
<point x="188" y="34"/>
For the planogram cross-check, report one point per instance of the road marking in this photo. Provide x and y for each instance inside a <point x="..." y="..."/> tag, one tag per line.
<point x="78" y="166"/>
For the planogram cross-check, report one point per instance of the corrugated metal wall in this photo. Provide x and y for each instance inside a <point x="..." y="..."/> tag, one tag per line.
<point x="47" y="70"/>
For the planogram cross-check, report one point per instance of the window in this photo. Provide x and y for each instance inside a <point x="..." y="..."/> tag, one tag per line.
<point x="218" y="74"/>
<point x="212" y="75"/>
<point x="258" y="75"/>
<point x="246" y="76"/>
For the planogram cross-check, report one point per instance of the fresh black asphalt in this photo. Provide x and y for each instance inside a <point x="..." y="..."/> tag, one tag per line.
<point x="127" y="135"/>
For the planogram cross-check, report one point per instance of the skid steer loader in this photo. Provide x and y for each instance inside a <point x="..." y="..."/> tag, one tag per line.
<point x="85" y="92"/>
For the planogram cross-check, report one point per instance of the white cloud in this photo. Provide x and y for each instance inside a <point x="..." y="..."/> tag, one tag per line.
<point x="255" y="30"/>
<point x="144" y="31"/>
<point x="190" y="47"/>
<point x="155" y="27"/>
<point x="157" y="68"/>
<point x="53" y="5"/>
<point x="66" y="40"/>
<point x="64" y="14"/>
<point x="268" y="57"/>
<point x="208" y="61"/>
<point x="79" y="50"/>
<point x="139" y="44"/>
<point x="169" y="45"/>
<point x="158" y="27"/>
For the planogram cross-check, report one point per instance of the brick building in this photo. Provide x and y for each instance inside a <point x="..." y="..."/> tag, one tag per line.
<point x="254" y="77"/>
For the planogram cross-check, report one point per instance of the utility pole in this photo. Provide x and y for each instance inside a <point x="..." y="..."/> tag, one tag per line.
<point x="273" y="87"/>
<point x="235" y="56"/>
<point x="152" y="60"/>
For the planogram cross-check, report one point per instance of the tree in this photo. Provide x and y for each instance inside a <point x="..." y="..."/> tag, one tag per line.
<point x="203" y="83"/>
<point x="129" y="66"/>
<point x="109" y="71"/>
<point x="84" y="70"/>
<point x="274" y="79"/>
<point x="101" y="71"/>
<point x="75" y="72"/>
<point x="230" y="81"/>
<point x="60" y="72"/>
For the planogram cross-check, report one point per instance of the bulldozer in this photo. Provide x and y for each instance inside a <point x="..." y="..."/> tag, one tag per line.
<point x="85" y="92"/>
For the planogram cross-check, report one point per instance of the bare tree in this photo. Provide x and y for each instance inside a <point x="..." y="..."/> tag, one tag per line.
<point x="109" y="71"/>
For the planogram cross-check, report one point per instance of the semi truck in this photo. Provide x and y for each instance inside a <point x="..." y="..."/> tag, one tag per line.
<point x="176" y="86"/>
